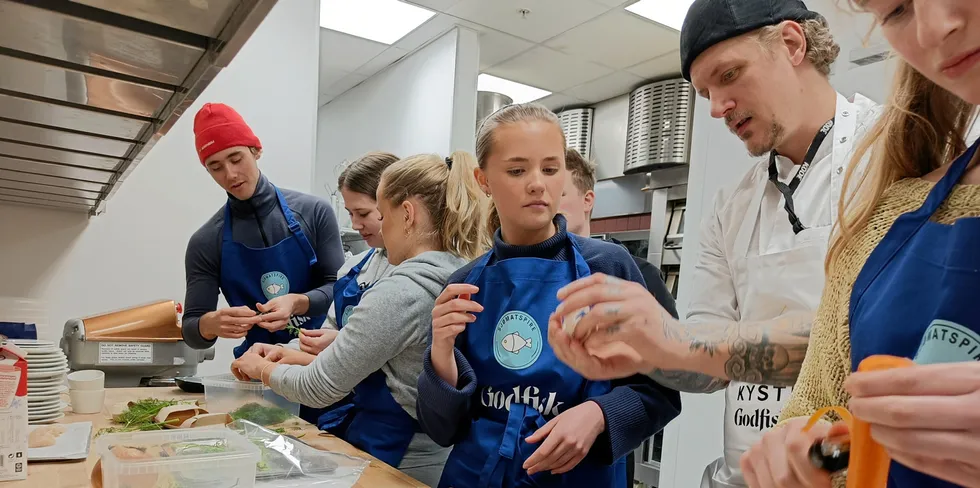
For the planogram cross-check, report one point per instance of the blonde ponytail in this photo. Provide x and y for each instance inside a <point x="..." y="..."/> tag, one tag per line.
<point x="450" y="194"/>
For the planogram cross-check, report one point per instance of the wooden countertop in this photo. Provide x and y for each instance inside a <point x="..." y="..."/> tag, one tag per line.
<point x="77" y="474"/>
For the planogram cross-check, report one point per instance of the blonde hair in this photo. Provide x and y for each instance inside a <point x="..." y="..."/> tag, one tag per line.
<point x="821" y="49"/>
<point x="450" y="194"/>
<point x="511" y="114"/>
<point x="923" y="127"/>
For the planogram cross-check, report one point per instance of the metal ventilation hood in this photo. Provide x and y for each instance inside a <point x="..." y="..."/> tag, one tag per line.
<point x="87" y="87"/>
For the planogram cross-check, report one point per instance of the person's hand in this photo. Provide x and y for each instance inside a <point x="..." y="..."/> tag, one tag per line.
<point x="316" y="340"/>
<point x="276" y="312"/>
<point x="229" y="323"/>
<point x="781" y="459"/>
<point x="927" y="417"/>
<point x="605" y="362"/>
<point x="451" y="314"/>
<point x="265" y="350"/>
<point x="250" y="366"/>
<point x="567" y="439"/>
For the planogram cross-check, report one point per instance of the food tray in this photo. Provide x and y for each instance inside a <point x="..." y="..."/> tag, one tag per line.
<point x="226" y="394"/>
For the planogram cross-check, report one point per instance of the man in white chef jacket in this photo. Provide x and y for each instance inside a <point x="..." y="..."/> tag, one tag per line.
<point x="763" y="65"/>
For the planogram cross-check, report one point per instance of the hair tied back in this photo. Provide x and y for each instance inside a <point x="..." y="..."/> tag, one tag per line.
<point x="449" y="162"/>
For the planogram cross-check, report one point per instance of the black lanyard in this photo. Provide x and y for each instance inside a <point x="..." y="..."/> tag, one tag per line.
<point x="790" y="189"/>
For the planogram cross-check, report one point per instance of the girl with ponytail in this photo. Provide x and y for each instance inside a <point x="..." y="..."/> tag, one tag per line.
<point x="492" y="386"/>
<point x="432" y="220"/>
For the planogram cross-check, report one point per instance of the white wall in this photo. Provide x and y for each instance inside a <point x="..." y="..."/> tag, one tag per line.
<point x="717" y="159"/>
<point x="134" y="253"/>
<point x="424" y="103"/>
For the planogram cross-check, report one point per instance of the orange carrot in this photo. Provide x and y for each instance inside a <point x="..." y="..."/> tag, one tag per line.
<point x="869" y="461"/>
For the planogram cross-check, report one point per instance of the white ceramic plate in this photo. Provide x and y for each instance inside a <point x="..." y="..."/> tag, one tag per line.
<point x="50" y="373"/>
<point x="32" y="343"/>
<point x="46" y="419"/>
<point x="56" y="391"/>
<point x="46" y="409"/>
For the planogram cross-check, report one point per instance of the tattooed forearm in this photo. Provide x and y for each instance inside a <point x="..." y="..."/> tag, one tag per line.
<point x="688" y="381"/>
<point x="769" y="352"/>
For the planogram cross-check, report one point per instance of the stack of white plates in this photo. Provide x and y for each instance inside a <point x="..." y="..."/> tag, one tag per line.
<point x="46" y="369"/>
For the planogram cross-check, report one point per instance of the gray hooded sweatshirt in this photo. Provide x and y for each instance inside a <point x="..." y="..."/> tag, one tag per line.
<point x="388" y="330"/>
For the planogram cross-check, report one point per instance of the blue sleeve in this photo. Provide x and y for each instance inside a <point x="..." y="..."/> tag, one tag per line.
<point x="443" y="410"/>
<point x="330" y="257"/>
<point x="637" y="407"/>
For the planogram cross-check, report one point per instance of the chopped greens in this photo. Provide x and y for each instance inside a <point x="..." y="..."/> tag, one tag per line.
<point x="140" y="416"/>
<point x="262" y="415"/>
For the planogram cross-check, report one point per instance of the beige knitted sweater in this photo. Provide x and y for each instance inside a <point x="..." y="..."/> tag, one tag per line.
<point x="828" y="358"/>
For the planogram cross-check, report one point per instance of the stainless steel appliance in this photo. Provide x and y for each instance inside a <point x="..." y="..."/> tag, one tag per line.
<point x="576" y="123"/>
<point x="87" y="87"/>
<point x="487" y="103"/>
<point x="658" y="132"/>
<point x="136" y="346"/>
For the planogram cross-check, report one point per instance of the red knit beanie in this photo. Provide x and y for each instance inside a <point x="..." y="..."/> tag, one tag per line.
<point x="218" y="127"/>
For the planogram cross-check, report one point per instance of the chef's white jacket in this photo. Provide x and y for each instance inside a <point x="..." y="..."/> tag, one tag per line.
<point x="751" y="266"/>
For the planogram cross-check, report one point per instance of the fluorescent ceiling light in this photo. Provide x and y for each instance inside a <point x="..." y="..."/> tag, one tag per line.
<point x="384" y="21"/>
<point x="670" y="13"/>
<point x="518" y="92"/>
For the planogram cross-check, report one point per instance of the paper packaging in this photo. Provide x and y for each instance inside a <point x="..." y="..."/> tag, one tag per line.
<point x="13" y="413"/>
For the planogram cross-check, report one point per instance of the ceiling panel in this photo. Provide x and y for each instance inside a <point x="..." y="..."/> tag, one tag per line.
<point x="437" y="5"/>
<point x="604" y="88"/>
<point x="617" y="39"/>
<point x="497" y="46"/>
<point x="345" y="52"/>
<point x="381" y="61"/>
<point x="547" y="18"/>
<point x="549" y="69"/>
<point x="329" y="76"/>
<point x="666" y="65"/>
<point x="615" y="3"/>
<point x="560" y="101"/>
<point x="426" y="32"/>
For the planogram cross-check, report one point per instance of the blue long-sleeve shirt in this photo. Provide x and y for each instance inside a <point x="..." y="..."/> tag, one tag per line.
<point x="259" y="222"/>
<point x="634" y="410"/>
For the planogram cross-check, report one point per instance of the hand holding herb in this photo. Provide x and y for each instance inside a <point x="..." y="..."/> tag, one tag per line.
<point x="276" y="312"/>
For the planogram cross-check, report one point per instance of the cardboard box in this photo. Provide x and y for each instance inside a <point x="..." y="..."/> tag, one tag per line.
<point x="13" y="413"/>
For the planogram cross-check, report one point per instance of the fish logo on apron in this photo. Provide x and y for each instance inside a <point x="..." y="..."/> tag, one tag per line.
<point x="274" y="284"/>
<point x="348" y="311"/>
<point x="517" y="340"/>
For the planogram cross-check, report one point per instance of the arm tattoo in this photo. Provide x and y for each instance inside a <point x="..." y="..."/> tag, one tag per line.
<point x="769" y="352"/>
<point x="688" y="381"/>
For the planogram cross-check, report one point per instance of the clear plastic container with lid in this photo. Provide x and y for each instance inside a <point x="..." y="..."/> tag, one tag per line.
<point x="212" y="458"/>
<point x="249" y="400"/>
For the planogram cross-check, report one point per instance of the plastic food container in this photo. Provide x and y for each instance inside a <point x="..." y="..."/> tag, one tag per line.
<point x="212" y="458"/>
<point x="258" y="403"/>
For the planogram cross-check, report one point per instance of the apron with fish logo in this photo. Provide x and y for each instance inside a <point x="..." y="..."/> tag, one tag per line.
<point x="521" y="384"/>
<point x="252" y="275"/>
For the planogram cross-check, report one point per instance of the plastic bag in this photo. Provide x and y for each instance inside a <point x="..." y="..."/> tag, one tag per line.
<point x="287" y="462"/>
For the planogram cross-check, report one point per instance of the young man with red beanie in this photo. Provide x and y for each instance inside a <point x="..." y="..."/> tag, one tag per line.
<point x="273" y="253"/>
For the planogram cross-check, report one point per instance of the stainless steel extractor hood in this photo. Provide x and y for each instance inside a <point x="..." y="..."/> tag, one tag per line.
<point x="87" y="87"/>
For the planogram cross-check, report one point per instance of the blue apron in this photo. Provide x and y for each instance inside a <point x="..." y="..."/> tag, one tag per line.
<point x="915" y="296"/>
<point x="374" y="422"/>
<point x="346" y="295"/>
<point x="250" y="276"/>
<point x="521" y="383"/>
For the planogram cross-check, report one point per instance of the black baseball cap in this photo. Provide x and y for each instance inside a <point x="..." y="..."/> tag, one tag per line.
<point x="709" y="22"/>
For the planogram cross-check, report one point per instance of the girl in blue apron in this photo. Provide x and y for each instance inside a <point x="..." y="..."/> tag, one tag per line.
<point x="358" y="184"/>
<point x="433" y="221"/>
<point x="492" y="387"/>
<point x="914" y="236"/>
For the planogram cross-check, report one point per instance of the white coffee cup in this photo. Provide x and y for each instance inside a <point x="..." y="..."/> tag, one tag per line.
<point x="87" y="401"/>
<point x="89" y="379"/>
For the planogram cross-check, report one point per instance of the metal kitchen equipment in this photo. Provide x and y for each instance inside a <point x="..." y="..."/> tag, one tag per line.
<point x="137" y="346"/>
<point x="87" y="87"/>
<point x="658" y="132"/>
<point x="488" y="102"/>
<point x="576" y="123"/>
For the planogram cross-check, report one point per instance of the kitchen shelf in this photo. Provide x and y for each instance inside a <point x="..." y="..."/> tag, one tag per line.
<point x="87" y="87"/>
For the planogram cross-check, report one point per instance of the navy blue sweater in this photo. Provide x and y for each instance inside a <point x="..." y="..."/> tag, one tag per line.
<point x="634" y="410"/>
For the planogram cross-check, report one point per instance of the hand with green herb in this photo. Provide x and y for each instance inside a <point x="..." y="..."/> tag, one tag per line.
<point x="282" y="355"/>
<point x="276" y="312"/>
